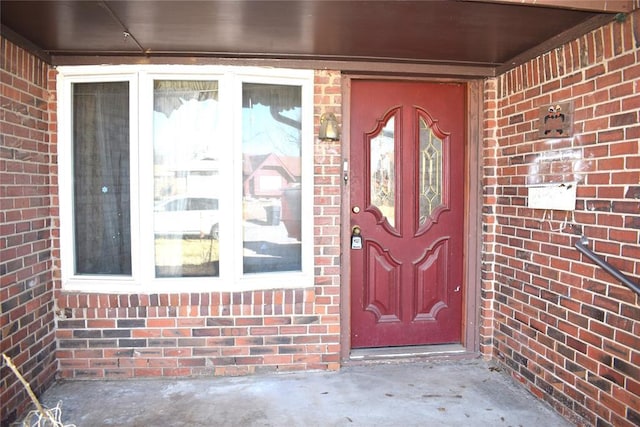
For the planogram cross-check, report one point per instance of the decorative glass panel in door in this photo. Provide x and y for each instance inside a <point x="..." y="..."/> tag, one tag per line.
<point x="430" y="172"/>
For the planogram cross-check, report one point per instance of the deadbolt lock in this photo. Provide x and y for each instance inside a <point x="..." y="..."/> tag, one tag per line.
<point x="356" y="237"/>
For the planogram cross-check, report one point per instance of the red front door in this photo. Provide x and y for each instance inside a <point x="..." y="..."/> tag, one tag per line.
<point x="407" y="206"/>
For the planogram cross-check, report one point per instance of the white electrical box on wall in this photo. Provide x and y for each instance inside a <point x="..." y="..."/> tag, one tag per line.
<point x="553" y="196"/>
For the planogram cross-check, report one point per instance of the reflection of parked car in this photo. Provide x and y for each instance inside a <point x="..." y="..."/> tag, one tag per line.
<point x="187" y="216"/>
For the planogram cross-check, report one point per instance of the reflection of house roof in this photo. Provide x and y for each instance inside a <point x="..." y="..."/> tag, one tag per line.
<point x="289" y="166"/>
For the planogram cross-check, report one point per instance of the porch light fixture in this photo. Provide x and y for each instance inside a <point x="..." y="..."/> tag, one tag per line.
<point x="328" y="127"/>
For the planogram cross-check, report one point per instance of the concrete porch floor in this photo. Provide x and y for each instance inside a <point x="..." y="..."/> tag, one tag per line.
<point x="424" y="393"/>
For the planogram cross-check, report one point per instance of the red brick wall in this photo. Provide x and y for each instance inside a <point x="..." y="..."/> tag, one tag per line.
<point x="218" y="333"/>
<point x="26" y="300"/>
<point x="562" y="326"/>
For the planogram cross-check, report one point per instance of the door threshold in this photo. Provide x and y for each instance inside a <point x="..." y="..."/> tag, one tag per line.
<point x="407" y="352"/>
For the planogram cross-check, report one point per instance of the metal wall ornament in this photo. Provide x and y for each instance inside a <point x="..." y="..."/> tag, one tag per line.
<point x="556" y="120"/>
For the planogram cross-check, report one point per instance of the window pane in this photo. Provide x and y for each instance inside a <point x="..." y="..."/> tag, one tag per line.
<point x="271" y="149"/>
<point x="101" y="178"/>
<point x="186" y="178"/>
<point x="383" y="187"/>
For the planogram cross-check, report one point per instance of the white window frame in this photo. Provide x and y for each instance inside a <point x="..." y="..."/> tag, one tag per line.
<point x="142" y="279"/>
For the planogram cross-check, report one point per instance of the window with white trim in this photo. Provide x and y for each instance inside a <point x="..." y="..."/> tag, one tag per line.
<point x="178" y="178"/>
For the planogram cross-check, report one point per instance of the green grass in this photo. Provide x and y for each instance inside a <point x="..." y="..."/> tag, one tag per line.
<point x="176" y="251"/>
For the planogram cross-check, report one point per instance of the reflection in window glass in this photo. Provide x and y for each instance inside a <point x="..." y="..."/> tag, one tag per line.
<point x="383" y="193"/>
<point x="271" y="156"/>
<point x="101" y="198"/>
<point x="186" y="178"/>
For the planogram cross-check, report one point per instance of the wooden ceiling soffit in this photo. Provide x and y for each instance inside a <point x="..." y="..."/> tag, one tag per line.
<point x="554" y="42"/>
<point x="602" y="6"/>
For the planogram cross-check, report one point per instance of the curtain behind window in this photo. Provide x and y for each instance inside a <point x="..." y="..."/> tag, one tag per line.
<point x="101" y="178"/>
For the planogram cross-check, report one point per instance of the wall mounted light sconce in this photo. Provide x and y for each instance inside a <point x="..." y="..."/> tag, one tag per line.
<point x="328" y="127"/>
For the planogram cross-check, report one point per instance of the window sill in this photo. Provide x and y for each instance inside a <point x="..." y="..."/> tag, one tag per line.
<point x="187" y="285"/>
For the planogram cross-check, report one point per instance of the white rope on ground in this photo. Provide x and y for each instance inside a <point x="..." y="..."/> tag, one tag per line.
<point x="39" y="417"/>
<point x="50" y="418"/>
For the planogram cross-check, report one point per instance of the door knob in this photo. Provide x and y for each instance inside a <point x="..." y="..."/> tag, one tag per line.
<point x="355" y="209"/>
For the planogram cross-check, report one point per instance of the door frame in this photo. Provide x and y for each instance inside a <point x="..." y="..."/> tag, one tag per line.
<point x="472" y="238"/>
